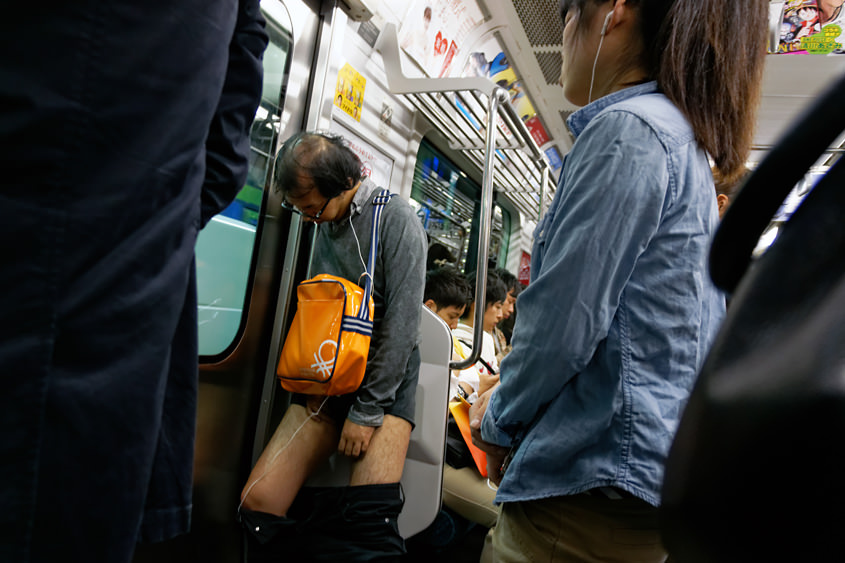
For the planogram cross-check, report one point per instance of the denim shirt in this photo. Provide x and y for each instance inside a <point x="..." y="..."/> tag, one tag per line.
<point x="620" y="311"/>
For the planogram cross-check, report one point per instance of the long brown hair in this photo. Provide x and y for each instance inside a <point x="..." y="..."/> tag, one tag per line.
<point x="707" y="57"/>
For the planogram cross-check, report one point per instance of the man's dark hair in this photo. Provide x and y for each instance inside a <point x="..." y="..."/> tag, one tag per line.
<point x="447" y="287"/>
<point x="495" y="291"/>
<point x="323" y="157"/>
<point x="511" y="281"/>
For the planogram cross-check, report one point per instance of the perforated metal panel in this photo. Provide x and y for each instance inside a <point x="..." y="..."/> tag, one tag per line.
<point x="541" y="21"/>
<point x="550" y="65"/>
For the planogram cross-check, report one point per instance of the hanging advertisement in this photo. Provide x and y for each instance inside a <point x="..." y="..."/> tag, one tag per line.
<point x="349" y="92"/>
<point x="489" y="61"/>
<point x="377" y="166"/>
<point x="811" y="26"/>
<point x="434" y="31"/>
<point x="555" y="160"/>
<point x="524" y="275"/>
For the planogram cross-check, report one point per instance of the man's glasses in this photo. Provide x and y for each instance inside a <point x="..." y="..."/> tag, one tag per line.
<point x="292" y="209"/>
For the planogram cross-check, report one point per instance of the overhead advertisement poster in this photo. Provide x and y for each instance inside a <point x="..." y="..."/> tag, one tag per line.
<point x="349" y="92"/>
<point x="809" y="26"/>
<point x="489" y="61"/>
<point x="434" y="31"/>
<point x="377" y="166"/>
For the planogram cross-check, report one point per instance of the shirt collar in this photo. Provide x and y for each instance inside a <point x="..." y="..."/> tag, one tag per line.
<point x="362" y="196"/>
<point x="578" y="121"/>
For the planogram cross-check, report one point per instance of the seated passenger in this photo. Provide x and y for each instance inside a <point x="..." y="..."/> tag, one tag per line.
<point x="487" y="366"/>
<point x="321" y="179"/>
<point x="447" y="293"/>
<point x="502" y="331"/>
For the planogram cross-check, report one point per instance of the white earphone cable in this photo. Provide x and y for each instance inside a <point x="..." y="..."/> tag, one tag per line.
<point x="593" y="75"/>
<point x="276" y="455"/>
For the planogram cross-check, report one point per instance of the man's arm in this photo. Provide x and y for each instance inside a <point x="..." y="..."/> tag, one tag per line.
<point x="227" y="145"/>
<point x="403" y="251"/>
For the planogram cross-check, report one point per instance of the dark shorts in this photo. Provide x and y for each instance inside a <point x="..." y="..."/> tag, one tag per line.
<point x="403" y="406"/>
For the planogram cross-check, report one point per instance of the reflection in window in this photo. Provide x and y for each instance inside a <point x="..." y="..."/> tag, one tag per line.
<point x="448" y="203"/>
<point x="224" y="247"/>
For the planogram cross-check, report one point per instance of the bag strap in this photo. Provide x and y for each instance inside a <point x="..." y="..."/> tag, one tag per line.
<point x="379" y="202"/>
<point x="764" y="191"/>
<point x="481" y="360"/>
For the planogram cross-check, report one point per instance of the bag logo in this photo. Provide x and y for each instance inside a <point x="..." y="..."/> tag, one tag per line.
<point x="324" y="367"/>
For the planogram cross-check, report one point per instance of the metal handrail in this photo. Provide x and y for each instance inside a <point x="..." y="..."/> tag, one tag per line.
<point x="421" y="92"/>
<point x="498" y="95"/>
<point x="458" y="118"/>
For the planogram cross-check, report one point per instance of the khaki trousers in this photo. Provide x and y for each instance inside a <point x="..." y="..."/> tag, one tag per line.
<point x="578" y="528"/>
<point x="466" y="492"/>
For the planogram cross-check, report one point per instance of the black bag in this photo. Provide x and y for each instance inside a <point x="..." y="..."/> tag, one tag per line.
<point x="457" y="452"/>
<point x="754" y="473"/>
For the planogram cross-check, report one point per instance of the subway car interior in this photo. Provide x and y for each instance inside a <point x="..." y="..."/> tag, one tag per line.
<point x="460" y="113"/>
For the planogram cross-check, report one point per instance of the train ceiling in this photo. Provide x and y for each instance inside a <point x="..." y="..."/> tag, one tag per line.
<point x="791" y="82"/>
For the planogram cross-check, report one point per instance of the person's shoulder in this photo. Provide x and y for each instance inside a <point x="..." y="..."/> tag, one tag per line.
<point x="399" y="214"/>
<point x="652" y="111"/>
<point x="462" y="331"/>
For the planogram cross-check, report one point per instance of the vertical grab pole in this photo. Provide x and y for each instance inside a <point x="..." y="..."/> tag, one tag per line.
<point x="543" y="181"/>
<point x="498" y="95"/>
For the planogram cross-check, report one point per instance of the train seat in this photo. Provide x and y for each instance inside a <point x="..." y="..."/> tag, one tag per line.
<point x="422" y="477"/>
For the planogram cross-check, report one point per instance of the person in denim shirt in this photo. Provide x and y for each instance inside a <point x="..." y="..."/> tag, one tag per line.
<point x="620" y="310"/>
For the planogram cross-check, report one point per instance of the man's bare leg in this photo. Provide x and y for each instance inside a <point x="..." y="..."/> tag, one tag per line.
<point x="385" y="457"/>
<point x="286" y="463"/>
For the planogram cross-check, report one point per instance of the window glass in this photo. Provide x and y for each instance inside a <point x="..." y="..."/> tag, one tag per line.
<point x="448" y="204"/>
<point x="225" y="246"/>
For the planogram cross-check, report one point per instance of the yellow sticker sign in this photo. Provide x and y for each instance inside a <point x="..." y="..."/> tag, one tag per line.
<point x="349" y="92"/>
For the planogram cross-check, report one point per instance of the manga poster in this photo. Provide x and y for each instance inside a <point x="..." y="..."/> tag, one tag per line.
<point x="811" y="26"/>
<point x="800" y="19"/>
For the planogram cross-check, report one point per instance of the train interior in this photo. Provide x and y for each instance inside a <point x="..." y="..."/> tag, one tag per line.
<point x="456" y="109"/>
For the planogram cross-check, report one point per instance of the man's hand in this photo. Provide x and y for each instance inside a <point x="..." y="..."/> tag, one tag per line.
<point x="486" y="381"/>
<point x="354" y="439"/>
<point x="495" y="454"/>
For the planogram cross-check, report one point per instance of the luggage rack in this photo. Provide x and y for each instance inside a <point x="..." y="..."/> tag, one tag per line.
<point x="459" y="109"/>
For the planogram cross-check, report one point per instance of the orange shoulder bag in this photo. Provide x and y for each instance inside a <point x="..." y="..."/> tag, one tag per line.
<point x="325" y="352"/>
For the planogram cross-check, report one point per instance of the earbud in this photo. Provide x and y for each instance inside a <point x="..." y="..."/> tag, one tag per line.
<point x="598" y="50"/>
<point x="606" y="22"/>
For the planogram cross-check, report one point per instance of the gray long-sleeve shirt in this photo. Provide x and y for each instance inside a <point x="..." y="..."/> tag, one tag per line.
<point x="397" y="292"/>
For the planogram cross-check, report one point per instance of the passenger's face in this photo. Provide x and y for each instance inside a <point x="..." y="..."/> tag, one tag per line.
<point x="312" y="205"/>
<point x="508" y="305"/>
<point x="451" y="315"/>
<point x="492" y="316"/>
<point x="578" y="53"/>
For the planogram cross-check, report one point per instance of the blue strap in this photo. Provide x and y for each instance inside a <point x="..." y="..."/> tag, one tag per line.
<point x="378" y="206"/>
<point x="354" y="324"/>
